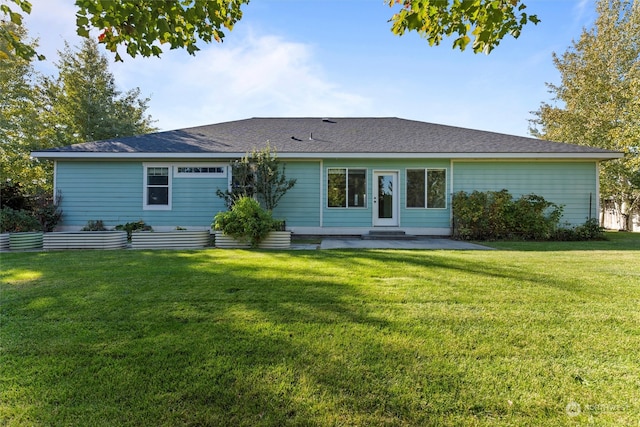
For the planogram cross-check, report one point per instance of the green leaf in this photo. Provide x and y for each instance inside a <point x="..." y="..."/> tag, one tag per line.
<point x="81" y="21"/>
<point x="16" y="18"/>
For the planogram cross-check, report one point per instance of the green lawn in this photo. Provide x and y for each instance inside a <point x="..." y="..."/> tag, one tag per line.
<point x="532" y="334"/>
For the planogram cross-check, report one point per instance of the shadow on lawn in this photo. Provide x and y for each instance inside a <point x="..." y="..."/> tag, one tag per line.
<point x="201" y="338"/>
<point x="240" y="337"/>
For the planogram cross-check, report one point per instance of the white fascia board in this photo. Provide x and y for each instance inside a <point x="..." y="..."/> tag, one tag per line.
<point x="132" y="156"/>
<point x="202" y="156"/>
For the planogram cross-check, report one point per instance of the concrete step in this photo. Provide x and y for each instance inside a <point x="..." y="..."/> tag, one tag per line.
<point x="387" y="235"/>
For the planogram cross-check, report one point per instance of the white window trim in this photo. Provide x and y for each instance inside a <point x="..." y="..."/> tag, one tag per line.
<point x="426" y="184"/>
<point x="222" y="174"/>
<point x="145" y="187"/>
<point x="366" y="188"/>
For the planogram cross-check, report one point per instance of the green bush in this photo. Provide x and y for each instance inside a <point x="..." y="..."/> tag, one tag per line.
<point x="15" y="221"/>
<point x="46" y="212"/>
<point x="37" y="212"/>
<point x="495" y="215"/>
<point x="131" y="227"/>
<point x="590" y="230"/>
<point x="96" y="225"/>
<point x="247" y="221"/>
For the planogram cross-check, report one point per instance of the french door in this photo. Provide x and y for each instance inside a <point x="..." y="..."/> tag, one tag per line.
<point x="385" y="198"/>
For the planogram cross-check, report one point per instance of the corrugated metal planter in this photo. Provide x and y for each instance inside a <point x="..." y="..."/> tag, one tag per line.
<point x="85" y="240"/>
<point x="274" y="240"/>
<point x="4" y="242"/>
<point x="179" y="239"/>
<point x="25" y="241"/>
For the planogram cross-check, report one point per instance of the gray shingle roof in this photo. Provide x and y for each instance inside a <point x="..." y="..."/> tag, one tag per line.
<point x="326" y="136"/>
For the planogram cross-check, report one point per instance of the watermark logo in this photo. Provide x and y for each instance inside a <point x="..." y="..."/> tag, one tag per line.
<point x="573" y="409"/>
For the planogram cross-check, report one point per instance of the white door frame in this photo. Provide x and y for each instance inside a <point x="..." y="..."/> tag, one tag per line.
<point x="386" y="221"/>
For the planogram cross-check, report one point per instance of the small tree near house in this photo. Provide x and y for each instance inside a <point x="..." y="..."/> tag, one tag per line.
<point x="258" y="174"/>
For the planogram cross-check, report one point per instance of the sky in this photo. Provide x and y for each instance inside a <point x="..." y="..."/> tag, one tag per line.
<point x="337" y="58"/>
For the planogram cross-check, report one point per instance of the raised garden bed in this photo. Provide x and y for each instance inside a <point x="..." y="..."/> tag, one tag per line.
<point x="179" y="239"/>
<point x="4" y="242"/>
<point x="274" y="240"/>
<point x="85" y="240"/>
<point x="25" y="241"/>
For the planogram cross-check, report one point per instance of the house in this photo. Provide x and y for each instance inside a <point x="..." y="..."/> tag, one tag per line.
<point x="353" y="175"/>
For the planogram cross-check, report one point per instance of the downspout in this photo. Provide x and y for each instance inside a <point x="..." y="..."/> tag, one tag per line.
<point x="321" y="194"/>
<point x="451" y="197"/>
<point x="55" y="180"/>
<point x="597" y="209"/>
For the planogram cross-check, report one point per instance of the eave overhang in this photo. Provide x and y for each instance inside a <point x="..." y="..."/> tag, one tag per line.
<point x="66" y="155"/>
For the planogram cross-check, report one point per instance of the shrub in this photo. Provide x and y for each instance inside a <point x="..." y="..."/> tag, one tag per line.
<point x="97" y="225"/>
<point x="15" y="221"/>
<point x="45" y="210"/>
<point x="259" y="175"/>
<point x="38" y="212"/>
<point x="247" y="221"/>
<point x="534" y="218"/>
<point x="13" y="196"/>
<point x="495" y="215"/>
<point x="590" y="230"/>
<point x="131" y="227"/>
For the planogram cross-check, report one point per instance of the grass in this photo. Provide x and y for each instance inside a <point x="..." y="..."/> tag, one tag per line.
<point x="532" y="334"/>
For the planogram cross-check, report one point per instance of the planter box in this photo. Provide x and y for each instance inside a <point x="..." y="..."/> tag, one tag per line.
<point x="179" y="239"/>
<point x="24" y="241"/>
<point x="4" y="242"/>
<point x="85" y="240"/>
<point x="274" y="240"/>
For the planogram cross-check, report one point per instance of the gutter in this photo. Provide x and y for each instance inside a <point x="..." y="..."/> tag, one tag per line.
<point x="67" y="155"/>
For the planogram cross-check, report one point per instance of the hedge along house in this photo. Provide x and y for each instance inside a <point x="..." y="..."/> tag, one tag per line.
<point x="354" y="175"/>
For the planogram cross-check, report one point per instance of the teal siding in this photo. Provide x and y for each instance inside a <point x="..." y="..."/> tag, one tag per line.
<point x="571" y="184"/>
<point x="363" y="217"/>
<point x="300" y="206"/>
<point x="113" y="192"/>
<point x="194" y="202"/>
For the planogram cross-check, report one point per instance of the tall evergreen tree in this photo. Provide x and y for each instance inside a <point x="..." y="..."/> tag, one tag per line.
<point x="81" y="104"/>
<point x="597" y="102"/>
<point x="20" y="124"/>
<point x="84" y="103"/>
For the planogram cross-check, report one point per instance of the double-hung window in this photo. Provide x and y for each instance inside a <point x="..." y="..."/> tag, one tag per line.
<point x="346" y="188"/>
<point x="427" y="188"/>
<point x="157" y="187"/>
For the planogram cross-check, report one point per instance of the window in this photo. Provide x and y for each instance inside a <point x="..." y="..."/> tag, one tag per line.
<point x="157" y="189"/>
<point x="415" y="188"/>
<point x="201" y="171"/>
<point x="426" y="188"/>
<point x="346" y="188"/>
<point x="436" y="188"/>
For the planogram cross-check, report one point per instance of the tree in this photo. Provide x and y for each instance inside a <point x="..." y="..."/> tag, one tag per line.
<point x="144" y="25"/>
<point x="80" y="104"/>
<point x="11" y="36"/>
<point x="488" y="21"/>
<point x="259" y="175"/>
<point x="597" y="102"/>
<point x="83" y="103"/>
<point x="20" y="122"/>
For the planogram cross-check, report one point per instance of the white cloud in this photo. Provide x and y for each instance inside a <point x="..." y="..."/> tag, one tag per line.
<point x="257" y="76"/>
<point x="51" y="22"/>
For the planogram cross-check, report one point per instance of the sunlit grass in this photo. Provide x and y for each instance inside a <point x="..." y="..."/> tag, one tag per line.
<point x="17" y="276"/>
<point x="222" y="337"/>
